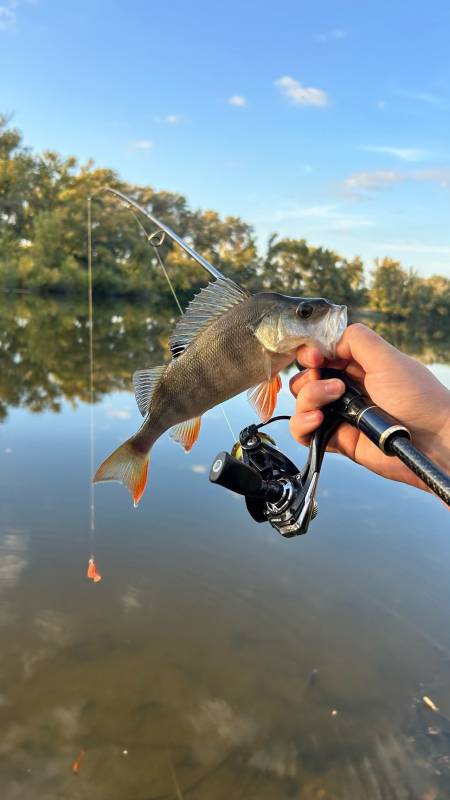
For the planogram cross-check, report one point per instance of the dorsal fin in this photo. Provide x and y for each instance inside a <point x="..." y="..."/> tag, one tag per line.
<point x="207" y="306"/>
<point x="145" y="382"/>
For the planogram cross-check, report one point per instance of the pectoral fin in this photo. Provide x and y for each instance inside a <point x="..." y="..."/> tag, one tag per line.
<point x="186" y="433"/>
<point x="263" y="397"/>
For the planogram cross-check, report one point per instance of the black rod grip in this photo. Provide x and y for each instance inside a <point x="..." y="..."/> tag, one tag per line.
<point x="380" y="427"/>
<point x="359" y="410"/>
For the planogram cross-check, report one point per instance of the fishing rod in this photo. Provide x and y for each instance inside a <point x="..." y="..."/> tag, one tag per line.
<point x="275" y="490"/>
<point x="170" y="233"/>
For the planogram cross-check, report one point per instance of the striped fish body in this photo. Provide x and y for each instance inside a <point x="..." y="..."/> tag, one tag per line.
<point x="227" y="341"/>
<point x="223" y="360"/>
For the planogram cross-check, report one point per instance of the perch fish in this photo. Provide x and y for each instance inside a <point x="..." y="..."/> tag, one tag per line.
<point x="228" y="341"/>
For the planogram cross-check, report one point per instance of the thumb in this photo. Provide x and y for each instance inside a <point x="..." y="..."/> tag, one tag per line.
<point x="363" y="345"/>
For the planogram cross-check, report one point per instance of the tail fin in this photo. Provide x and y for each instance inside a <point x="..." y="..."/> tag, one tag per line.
<point x="128" y="466"/>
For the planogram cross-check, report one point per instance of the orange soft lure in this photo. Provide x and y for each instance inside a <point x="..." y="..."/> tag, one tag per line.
<point x="92" y="573"/>
<point x="77" y="763"/>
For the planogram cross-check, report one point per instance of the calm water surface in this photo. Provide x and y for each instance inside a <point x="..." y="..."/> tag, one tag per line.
<point x="215" y="660"/>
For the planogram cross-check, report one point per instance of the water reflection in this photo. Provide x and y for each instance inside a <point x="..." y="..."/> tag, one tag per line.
<point x="187" y="671"/>
<point x="44" y="347"/>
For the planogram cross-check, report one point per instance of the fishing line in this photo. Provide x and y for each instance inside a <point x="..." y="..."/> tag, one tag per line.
<point x="156" y="239"/>
<point x="156" y="244"/>
<point x="92" y="573"/>
<point x="91" y="372"/>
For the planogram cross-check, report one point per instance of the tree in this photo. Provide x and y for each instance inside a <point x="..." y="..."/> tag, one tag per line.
<point x="294" y="267"/>
<point x="390" y="288"/>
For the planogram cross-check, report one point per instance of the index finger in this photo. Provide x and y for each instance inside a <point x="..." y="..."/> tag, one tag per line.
<point x="310" y="356"/>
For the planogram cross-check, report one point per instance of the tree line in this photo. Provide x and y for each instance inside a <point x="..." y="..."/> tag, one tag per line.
<point x="43" y="244"/>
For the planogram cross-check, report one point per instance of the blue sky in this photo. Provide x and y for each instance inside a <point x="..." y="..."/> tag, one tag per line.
<point x="325" y="120"/>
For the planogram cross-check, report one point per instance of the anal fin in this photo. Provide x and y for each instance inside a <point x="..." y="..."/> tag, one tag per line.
<point x="186" y="433"/>
<point x="263" y="397"/>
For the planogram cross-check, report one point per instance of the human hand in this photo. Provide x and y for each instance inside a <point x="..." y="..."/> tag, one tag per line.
<point x="394" y="381"/>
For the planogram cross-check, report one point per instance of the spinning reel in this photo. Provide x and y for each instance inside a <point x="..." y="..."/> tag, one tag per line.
<point x="276" y="491"/>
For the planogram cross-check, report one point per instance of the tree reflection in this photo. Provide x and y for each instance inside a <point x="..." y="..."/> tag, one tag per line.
<point x="44" y="347"/>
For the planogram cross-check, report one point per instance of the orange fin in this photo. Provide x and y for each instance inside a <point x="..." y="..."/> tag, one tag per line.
<point x="128" y="466"/>
<point x="186" y="433"/>
<point x="263" y="397"/>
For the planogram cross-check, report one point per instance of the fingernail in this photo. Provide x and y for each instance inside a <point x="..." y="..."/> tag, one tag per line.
<point x="333" y="387"/>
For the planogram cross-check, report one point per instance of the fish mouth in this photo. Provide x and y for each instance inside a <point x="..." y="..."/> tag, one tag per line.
<point x="337" y="326"/>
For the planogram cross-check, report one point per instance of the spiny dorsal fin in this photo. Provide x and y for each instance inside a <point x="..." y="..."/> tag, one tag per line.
<point x="145" y="382"/>
<point x="186" y="433"/>
<point x="207" y="306"/>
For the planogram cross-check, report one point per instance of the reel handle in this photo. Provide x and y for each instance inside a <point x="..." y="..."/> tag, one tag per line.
<point x="233" y="474"/>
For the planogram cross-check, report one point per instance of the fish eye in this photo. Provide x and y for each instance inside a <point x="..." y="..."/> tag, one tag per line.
<point x="305" y="310"/>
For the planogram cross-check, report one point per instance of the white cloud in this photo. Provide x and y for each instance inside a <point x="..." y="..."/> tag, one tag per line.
<point x="218" y="726"/>
<point x="441" y="175"/>
<point x="317" y="211"/>
<point x="371" y="181"/>
<point x="237" y="100"/>
<point x="403" y="153"/>
<point x="130" y="599"/>
<point x="200" y="469"/>
<point x="415" y="247"/>
<point x="381" y="105"/>
<point x="337" y="219"/>
<point x="334" y="35"/>
<point x="52" y="627"/>
<point x="11" y="568"/>
<point x="67" y="720"/>
<point x="15" y="538"/>
<point x="360" y="182"/>
<point x="299" y="95"/>
<point x="31" y="660"/>
<point x="278" y="759"/>
<point x="142" y="144"/>
<point x="425" y="97"/>
<point x="118" y="413"/>
<point x="8" y="16"/>
<point x="351" y="223"/>
<point x="170" y="119"/>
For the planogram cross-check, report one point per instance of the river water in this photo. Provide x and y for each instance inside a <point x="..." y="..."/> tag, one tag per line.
<point x="215" y="660"/>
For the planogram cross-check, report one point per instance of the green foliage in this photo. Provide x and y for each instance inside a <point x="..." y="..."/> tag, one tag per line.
<point x="45" y="344"/>
<point x="294" y="267"/>
<point x="43" y="244"/>
<point x="401" y="294"/>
